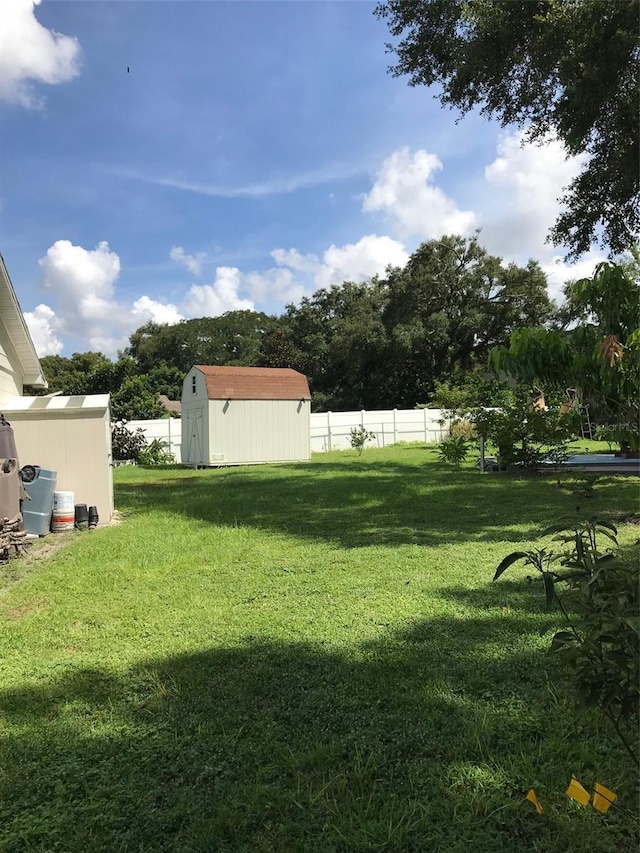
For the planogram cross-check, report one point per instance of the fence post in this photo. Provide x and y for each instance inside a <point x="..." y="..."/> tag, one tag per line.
<point x="426" y="434"/>
<point x="362" y="414"/>
<point x="329" y="428"/>
<point x="169" y="431"/>
<point x="395" y="434"/>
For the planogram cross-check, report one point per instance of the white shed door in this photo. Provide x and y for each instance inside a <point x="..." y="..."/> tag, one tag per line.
<point x="194" y="432"/>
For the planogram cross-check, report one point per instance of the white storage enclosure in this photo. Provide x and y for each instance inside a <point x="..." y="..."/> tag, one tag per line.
<point x="71" y="436"/>
<point x="243" y="415"/>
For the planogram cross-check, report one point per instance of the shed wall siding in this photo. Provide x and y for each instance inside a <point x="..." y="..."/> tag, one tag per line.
<point x="258" y="431"/>
<point x="77" y="447"/>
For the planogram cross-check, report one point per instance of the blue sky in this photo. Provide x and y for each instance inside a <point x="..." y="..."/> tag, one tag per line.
<point x="254" y="152"/>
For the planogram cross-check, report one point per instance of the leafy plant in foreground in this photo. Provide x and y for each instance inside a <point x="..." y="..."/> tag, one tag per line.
<point x="454" y="449"/>
<point x="601" y="641"/>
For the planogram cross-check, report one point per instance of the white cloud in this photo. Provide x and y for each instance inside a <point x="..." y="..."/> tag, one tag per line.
<point x="558" y="272"/>
<point x="192" y="262"/>
<point x="31" y="53"/>
<point x="404" y="190"/>
<point x="211" y="300"/>
<point x="293" y="259"/>
<point x="146" y="309"/>
<point x="370" y="256"/>
<point x="525" y="181"/>
<point x="43" y="327"/>
<point x="275" y="287"/>
<point x="82" y="281"/>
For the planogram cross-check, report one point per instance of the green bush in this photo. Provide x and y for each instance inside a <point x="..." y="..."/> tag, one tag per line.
<point x="359" y="437"/>
<point x="525" y="435"/>
<point x="126" y="444"/>
<point x="454" y="449"/>
<point x="463" y="428"/>
<point x="156" y="453"/>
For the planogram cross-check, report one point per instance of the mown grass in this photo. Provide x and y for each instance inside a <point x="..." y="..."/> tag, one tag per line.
<point x="302" y="658"/>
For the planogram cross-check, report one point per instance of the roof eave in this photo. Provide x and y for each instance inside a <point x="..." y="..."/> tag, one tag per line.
<point x="16" y="326"/>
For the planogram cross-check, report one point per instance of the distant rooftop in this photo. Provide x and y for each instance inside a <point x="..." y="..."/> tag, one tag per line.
<point x="170" y="405"/>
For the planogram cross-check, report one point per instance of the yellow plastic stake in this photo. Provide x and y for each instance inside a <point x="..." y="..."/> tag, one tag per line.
<point x="577" y="792"/>
<point x="531" y="796"/>
<point x="603" y="798"/>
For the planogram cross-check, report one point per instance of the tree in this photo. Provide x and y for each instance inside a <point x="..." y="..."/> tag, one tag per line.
<point x="448" y="307"/>
<point x="134" y="401"/>
<point x="600" y="356"/>
<point x="337" y="339"/>
<point x="234" y="338"/>
<point x="564" y="68"/>
<point x="70" y="375"/>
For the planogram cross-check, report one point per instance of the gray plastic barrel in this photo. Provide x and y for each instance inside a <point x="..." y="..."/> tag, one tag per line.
<point x="37" y="512"/>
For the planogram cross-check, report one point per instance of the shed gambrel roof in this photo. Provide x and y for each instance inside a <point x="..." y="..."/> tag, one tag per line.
<point x="254" y="383"/>
<point x="13" y="319"/>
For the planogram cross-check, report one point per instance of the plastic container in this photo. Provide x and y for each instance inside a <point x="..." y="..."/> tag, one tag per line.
<point x="93" y="517"/>
<point x="64" y="515"/>
<point x="39" y="484"/>
<point x="81" y="516"/>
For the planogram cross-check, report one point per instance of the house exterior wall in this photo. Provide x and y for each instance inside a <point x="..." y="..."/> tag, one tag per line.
<point x="11" y="379"/>
<point x="77" y="445"/>
<point x="195" y="420"/>
<point x="245" y="431"/>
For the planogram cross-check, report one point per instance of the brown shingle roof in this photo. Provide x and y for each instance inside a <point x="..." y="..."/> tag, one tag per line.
<point x="254" y="383"/>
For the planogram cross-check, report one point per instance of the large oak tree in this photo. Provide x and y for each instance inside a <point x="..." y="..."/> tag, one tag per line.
<point x="567" y="68"/>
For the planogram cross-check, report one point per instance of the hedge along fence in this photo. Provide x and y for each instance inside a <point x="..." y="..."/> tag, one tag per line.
<point x="332" y="430"/>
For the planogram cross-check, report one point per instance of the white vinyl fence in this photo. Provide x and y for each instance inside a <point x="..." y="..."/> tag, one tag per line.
<point x="332" y="430"/>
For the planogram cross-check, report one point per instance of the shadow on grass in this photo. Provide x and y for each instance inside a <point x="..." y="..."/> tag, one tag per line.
<point x="425" y="739"/>
<point x="357" y="503"/>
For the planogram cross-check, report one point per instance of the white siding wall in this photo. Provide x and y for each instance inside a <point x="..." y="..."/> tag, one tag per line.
<point x="258" y="431"/>
<point x="10" y="375"/>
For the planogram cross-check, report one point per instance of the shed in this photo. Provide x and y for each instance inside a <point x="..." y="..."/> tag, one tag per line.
<point x="69" y="435"/>
<point x="243" y="415"/>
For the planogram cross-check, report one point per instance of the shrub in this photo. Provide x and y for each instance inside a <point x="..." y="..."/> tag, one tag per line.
<point x="126" y="444"/>
<point x="524" y="434"/>
<point x="454" y="449"/>
<point x="359" y="437"/>
<point x="463" y="428"/>
<point x="156" y="453"/>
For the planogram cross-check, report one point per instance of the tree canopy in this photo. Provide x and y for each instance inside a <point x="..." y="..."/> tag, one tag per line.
<point x="599" y="356"/>
<point x="563" y="68"/>
<point x="381" y="343"/>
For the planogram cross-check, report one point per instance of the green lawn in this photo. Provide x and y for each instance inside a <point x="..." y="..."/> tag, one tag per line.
<point x="301" y="657"/>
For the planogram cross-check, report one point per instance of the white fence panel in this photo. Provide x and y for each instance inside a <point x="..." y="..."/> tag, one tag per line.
<point x="168" y="430"/>
<point x="332" y="430"/>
